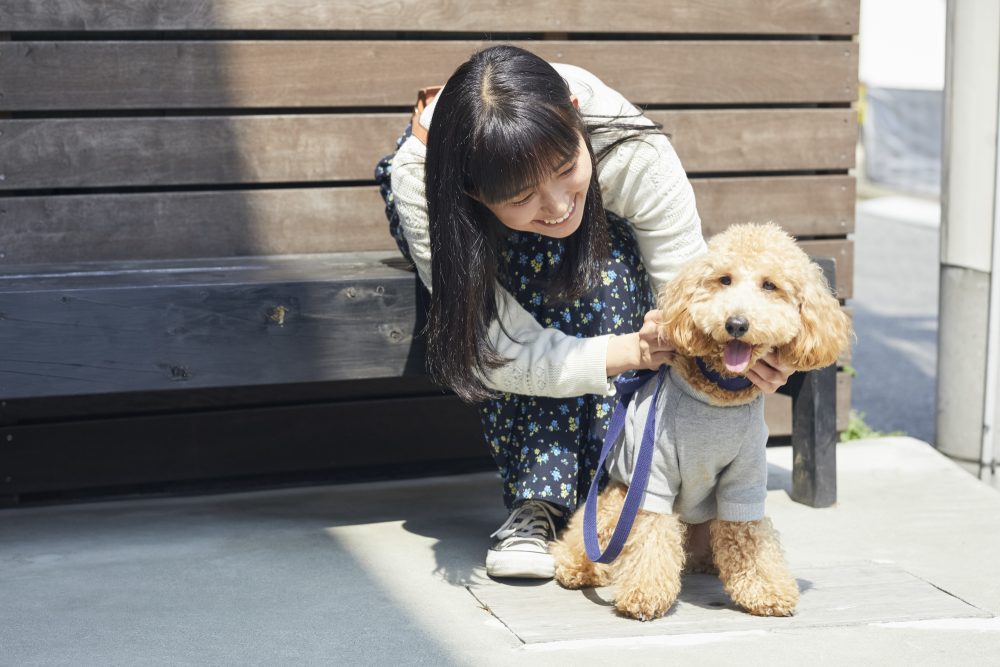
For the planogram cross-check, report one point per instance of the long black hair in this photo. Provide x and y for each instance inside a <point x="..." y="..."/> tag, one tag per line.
<point x="502" y="123"/>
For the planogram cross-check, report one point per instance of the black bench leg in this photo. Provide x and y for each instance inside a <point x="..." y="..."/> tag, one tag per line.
<point x="814" y="436"/>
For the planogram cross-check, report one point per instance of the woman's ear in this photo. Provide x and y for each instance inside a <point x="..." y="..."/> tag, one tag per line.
<point x="575" y="101"/>
<point x="826" y="330"/>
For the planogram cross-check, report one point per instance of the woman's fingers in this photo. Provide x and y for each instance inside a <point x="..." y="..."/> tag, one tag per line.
<point x="769" y="374"/>
<point x="661" y="358"/>
<point x="655" y="316"/>
<point x="649" y="335"/>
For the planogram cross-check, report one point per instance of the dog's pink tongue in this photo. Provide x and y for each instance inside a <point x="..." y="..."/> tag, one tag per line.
<point x="737" y="356"/>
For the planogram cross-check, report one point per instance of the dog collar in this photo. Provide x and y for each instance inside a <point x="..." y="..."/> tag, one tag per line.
<point x="729" y="384"/>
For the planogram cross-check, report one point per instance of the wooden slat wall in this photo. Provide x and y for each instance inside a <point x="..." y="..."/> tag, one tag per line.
<point x="124" y="120"/>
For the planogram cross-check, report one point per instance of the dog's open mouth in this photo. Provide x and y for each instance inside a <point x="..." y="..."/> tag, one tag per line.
<point x="737" y="356"/>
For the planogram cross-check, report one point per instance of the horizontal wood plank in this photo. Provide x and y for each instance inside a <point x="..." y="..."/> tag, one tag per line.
<point x="252" y="74"/>
<point x="802" y="205"/>
<point x="762" y="140"/>
<point x="164" y="225"/>
<point x="241" y="323"/>
<point x="277" y="443"/>
<point x="833" y="17"/>
<point x="119" y="152"/>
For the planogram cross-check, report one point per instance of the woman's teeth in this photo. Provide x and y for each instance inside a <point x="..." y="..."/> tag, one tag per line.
<point x="572" y="207"/>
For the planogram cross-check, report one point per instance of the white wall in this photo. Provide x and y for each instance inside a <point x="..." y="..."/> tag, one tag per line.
<point x="901" y="44"/>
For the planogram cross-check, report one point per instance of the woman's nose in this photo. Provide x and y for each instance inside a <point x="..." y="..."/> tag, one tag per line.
<point x="555" y="203"/>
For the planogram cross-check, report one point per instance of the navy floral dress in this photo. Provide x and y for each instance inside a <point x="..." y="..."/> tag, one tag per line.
<point x="548" y="448"/>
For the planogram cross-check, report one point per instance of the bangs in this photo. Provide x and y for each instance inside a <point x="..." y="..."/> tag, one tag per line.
<point x="515" y="151"/>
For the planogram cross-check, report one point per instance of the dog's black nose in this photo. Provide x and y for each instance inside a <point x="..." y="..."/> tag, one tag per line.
<point x="737" y="325"/>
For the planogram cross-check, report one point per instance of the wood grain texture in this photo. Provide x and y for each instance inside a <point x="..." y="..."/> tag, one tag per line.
<point x="229" y="74"/>
<point x="187" y="225"/>
<point x="833" y="17"/>
<point x="226" y="324"/>
<point x="802" y="205"/>
<point x="119" y="152"/>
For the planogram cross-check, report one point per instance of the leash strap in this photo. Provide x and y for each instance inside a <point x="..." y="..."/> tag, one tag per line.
<point x="640" y="476"/>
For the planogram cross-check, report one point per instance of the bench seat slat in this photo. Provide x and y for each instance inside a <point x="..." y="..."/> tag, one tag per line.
<point x="158" y="326"/>
<point x="148" y="326"/>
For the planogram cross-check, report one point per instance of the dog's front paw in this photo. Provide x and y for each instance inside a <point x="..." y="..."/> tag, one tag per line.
<point x="574" y="570"/>
<point x="644" y="605"/>
<point x="573" y="578"/>
<point x="774" y="596"/>
<point x="752" y="567"/>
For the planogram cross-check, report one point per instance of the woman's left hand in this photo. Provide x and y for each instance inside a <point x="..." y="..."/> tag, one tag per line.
<point x="769" y="374"/>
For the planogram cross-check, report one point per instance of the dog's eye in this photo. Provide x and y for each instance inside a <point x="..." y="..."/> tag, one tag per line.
<point x="726" y="280"/>
<point x="769" y="286"/>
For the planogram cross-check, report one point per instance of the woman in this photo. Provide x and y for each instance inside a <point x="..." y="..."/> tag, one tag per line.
<point x="542" y="214"/>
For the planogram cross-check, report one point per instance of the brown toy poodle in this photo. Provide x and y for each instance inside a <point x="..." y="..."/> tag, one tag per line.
<point x="754" y="291"/>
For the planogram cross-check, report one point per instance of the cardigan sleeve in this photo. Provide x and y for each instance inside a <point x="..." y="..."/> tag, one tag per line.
<point x="642" y="180"/>
<point x="543" y="361"/>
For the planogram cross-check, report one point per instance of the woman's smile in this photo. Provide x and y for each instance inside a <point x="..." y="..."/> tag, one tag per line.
<point x="558" y="221"/>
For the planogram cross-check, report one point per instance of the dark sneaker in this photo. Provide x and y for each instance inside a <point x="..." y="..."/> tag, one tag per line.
<point x="522" y="548"/>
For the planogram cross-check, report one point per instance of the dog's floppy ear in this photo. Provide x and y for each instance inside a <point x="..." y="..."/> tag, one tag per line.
<point x="826" y="329"/>
<point x="677" y="324"/>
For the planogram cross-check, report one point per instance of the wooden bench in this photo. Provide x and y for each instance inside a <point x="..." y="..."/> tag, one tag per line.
<point x="196" y="277"/>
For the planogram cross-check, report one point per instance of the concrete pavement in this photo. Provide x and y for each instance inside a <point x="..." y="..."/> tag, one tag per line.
<point x="391" y="572"/>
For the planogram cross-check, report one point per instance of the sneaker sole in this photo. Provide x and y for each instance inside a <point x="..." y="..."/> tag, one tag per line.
<point x="519" y="564"/>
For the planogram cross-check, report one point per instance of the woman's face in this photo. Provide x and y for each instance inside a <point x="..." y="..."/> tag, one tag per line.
<point x="553" y="207"/>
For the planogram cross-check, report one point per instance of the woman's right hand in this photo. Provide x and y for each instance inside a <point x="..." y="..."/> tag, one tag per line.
<point x="643" y="349"/>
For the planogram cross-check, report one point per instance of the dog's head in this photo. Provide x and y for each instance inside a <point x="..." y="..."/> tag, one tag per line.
<point x="753" y="291"/>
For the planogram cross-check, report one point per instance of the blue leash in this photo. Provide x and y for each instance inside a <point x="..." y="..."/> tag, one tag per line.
<point x="640" y="476"/>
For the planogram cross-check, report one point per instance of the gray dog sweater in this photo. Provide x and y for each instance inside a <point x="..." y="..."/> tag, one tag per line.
<point x="709" y="460"/>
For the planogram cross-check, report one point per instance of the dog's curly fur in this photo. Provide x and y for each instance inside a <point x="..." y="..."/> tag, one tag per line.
<point x="757" y="272"/>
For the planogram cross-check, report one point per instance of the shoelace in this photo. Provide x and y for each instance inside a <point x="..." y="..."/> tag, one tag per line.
<point x="531" y="520"/>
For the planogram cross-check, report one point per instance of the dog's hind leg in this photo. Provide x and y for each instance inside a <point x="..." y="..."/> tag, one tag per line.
<point x="752" y="567"/>
<point x="647" y="574"/>
<point x="573" y="568"/>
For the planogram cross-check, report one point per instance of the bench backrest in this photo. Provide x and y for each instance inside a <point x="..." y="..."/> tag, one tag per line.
<point x="137" y="130"/>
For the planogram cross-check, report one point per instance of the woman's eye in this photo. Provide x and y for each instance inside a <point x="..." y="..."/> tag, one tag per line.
<point x="769" y="286"/>
<point x="570" y="170"/>
<point x="521" y="202"/>
<point x="726" y="280"/>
